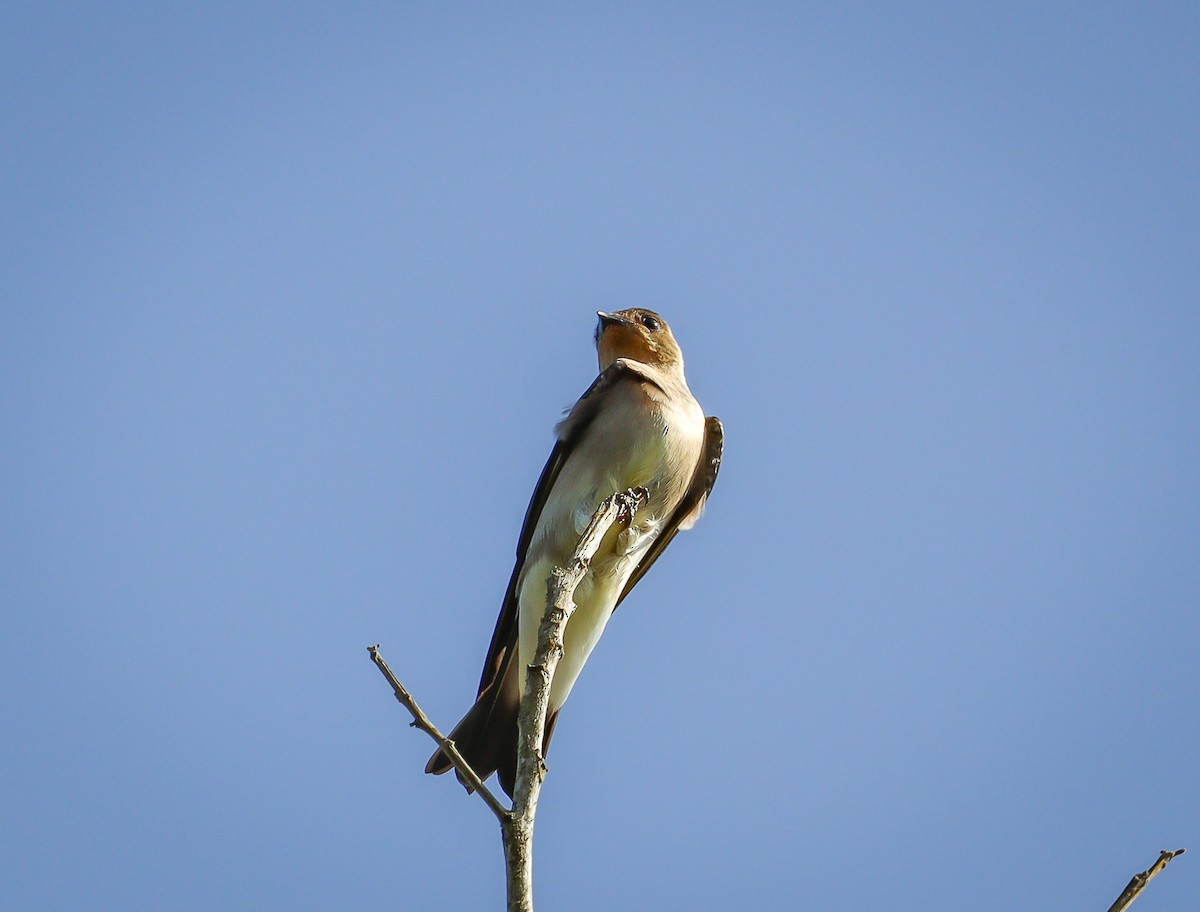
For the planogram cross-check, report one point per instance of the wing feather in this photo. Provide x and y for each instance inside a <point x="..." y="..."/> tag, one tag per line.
<point x="690" y="507"/>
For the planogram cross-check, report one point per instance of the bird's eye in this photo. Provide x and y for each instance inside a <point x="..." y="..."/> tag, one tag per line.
<point x="650" y="323"/>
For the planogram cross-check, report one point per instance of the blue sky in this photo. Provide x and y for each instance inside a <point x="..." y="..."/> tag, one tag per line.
<point x="293" y="296"/>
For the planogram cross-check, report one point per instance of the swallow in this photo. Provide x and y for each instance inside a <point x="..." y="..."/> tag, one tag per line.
<point x="637" y="426"/>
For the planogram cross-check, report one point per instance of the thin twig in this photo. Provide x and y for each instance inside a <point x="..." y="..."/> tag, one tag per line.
<point x="1139" y="881"/>
<point x="422" y="721"/>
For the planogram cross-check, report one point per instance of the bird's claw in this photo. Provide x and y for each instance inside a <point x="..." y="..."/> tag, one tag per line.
<point x="630" y="501"/>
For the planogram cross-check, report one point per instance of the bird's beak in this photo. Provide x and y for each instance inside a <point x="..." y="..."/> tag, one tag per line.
<point x="607" y="319"/>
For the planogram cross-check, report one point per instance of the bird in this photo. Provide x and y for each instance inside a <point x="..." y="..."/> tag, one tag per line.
<point x="637" y="426"/>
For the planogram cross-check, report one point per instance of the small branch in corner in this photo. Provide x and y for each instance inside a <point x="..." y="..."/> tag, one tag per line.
<point x="1139" y="881"/>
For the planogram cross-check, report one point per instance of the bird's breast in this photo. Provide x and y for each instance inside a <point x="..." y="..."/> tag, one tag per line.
<point x="640" y="438"/>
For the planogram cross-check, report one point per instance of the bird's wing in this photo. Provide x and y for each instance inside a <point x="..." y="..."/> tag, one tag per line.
<point x="692" y="505"/>
<point x="570" y="430"/>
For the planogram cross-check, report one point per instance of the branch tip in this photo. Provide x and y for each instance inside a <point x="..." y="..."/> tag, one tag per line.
<point x="1138" y="882"/>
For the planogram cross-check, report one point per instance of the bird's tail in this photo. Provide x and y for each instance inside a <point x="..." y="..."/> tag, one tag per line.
<point x="487" y="735"/>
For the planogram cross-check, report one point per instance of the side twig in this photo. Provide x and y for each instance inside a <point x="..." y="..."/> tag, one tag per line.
<point x="1139" y="881"/>
<point x="422" y="721"/>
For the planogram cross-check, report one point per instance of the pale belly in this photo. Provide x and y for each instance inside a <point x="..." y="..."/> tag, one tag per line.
<point x="613" y="456"/>
<point x="594" y="601"/>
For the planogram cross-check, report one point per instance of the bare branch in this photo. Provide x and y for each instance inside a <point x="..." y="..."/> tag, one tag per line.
<point x="517" y="823"/>
<point x="1139" y="881"/>
<point x="535" y="705"/>
<point x="422" y="721"/>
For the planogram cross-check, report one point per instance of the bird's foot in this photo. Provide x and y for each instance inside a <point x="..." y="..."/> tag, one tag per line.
<point x="631" y="500"/>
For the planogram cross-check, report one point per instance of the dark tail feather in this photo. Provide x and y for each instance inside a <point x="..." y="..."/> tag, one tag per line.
<point x="487" y="734"/>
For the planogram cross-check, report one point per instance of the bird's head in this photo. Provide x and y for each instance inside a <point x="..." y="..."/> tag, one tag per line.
<point x="639" y="335"/>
